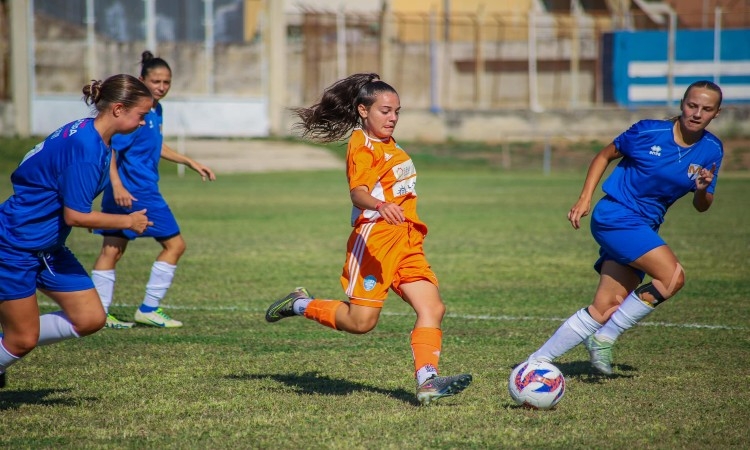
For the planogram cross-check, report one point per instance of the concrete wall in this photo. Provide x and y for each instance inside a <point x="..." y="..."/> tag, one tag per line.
<point x="238" y="118"/>
<point x="524" y="125"/>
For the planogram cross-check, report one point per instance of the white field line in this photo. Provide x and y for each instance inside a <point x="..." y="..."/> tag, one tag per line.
<point x="500" y="318"/>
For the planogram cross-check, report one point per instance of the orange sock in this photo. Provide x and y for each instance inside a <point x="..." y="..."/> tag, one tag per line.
<point x="425" y="347"/>
<point x="323" y="312"/>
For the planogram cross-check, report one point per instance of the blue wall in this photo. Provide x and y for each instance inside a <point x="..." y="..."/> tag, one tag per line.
<point x="639" y="65"/>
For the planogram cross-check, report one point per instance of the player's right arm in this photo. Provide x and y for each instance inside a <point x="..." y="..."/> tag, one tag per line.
<point x="594" y="175"/>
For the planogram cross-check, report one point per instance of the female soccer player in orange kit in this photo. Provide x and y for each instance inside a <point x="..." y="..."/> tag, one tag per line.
<point x="385" y="247"/>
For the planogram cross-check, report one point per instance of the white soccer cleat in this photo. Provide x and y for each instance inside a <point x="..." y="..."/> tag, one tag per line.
<point x="157" y="318"/>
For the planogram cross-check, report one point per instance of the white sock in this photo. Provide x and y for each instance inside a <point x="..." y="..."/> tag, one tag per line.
<point x="425" y="373"/>
<point x="631" y="311"/>
<point x="7" y="359"/>
<point x="158" y="283"/>
<point x="55" y="327"/>
<point x="300" y="305"/>
<point x="578" y="327"/>
<point x="104" y="281"/>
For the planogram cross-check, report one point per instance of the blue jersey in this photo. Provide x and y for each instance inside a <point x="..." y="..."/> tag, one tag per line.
<point x="69" y="169"/>
<point x="138" y="155"/>
<point x="655" y="172"/>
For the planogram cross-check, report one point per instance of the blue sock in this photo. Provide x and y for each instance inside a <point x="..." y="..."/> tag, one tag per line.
<point x="147" y="309"/>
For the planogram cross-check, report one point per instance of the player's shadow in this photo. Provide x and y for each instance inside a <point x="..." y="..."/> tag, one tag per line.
<point x="582" y="371"/>
<point x="11" y="400"/>
<point x="312" y="383"/>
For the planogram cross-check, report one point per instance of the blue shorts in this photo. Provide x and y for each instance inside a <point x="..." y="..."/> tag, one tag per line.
<point x="22" y="272"/>
<point x="164" y="227"/>
<point x="622" y="234"/>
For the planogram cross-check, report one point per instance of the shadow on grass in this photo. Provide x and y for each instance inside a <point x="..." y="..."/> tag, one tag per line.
<point x="585" y="373"/>
<point x="311" y="383"/>
<point x="14" y="399"/>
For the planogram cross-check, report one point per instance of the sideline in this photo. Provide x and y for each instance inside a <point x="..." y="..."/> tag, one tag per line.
<point x="501" y="318"/>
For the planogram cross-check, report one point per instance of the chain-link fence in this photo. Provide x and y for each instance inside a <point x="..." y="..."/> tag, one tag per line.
<point x="459" y="61"/>
<point x="556" y="59"/>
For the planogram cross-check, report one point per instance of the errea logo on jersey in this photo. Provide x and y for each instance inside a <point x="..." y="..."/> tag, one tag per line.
<point x="655" y="150"/>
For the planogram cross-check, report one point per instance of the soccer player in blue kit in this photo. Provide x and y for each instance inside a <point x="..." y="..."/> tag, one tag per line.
<point x="661" y="161"/>
<point x="54" y="187"/>
<point x="135" y="185"/>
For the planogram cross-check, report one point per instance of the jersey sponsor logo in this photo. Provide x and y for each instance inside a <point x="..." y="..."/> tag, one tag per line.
<point x="369" y="282"/>
<point x="404" y="170"/>
<point x="405" y="187"/>
<point x="655" y="150"/>
<point x="406" y="179"/>
<point x="73" y="128"/>
<point x="693" y="171"/>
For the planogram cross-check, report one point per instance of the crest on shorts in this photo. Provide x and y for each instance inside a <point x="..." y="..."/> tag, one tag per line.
<point x="369" y="282"/>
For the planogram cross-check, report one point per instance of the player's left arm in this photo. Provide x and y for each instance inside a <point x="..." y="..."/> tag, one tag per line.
<point x="702" y="199"/>
<point x="171" y="155"/>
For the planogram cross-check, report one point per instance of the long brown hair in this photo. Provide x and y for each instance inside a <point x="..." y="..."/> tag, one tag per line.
<point x="336" y="113"/>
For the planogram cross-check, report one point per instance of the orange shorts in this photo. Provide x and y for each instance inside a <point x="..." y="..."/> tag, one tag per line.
<point x="380" y="256"/>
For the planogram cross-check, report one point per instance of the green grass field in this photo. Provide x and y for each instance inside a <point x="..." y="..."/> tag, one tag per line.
<point x="511" y="269"/>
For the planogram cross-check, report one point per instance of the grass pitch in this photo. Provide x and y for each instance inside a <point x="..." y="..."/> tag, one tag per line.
<point x="511" y="269"/>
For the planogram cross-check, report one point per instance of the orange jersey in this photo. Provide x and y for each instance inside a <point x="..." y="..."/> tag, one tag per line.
<point x="387" y="172"/>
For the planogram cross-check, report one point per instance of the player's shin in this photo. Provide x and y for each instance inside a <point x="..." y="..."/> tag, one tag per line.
<point x="425" y="347"/>
<point x="571" y="333"/>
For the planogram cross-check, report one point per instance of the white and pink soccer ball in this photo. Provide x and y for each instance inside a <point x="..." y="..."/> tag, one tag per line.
<point x="536" y="384"/>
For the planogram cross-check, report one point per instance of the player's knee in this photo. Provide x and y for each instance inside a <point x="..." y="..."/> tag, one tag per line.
<point x="111" y="252"/>
<point x="363" y="325"/>
<point x="180" y="248"/>
<point x="437" y="311"/>
<point x="90" y="324"/>
<point x="604" y="304"/>
<point x="20" y="344"/>
<point x="663" y="289"/>
<point x="175" y="247"/>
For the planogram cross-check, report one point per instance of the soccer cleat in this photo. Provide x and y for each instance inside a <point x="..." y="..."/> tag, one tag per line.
<point x="600" y="352"/>
<point x="156" y="318"/>
<point x="304" y="291"/>
<point x="284" y="307"/>
<point x="438" y="387"/>
<point x="117" y="324"/>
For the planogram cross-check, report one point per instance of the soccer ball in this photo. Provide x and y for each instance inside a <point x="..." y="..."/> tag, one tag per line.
<point x="536" y="384"/>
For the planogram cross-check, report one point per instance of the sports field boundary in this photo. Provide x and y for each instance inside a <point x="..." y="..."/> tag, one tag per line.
<point x="485" y="317"/>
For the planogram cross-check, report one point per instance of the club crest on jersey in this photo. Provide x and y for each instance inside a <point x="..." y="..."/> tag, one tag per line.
<point x="369" y="282"/>
<point x="655" y="150"/>
<point x="693" y="171"/>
